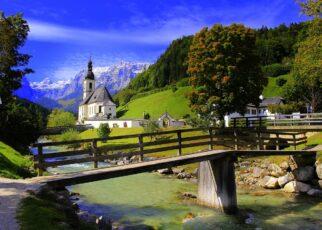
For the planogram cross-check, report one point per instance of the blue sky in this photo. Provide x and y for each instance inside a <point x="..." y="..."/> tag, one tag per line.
<point x="64" y="33"/>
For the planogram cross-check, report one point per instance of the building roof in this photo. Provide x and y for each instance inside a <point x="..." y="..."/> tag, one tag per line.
<point x="271" y="101"/>
<point x="100" y="94"/>
<point x="166" y="115"/>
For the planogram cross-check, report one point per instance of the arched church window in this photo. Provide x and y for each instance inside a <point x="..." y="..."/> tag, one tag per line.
<point x="90" y="85"/>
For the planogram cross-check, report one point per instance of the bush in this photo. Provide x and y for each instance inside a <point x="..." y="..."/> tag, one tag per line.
<point x="61" y="118"/>
<point x="69" y="135"/>
<point x="183" y="82"/>
<point x="286" y="108"/>
<point x="152" y="127"/>
<point x="280" y="81"/>
<point x="174" y="88"/>
<point x="275" y="70"/>
<point x="103" y="131"/>
<point x="146" y="116"/>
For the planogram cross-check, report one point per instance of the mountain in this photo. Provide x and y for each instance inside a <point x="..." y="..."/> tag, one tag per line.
<point x="68" y="93"/>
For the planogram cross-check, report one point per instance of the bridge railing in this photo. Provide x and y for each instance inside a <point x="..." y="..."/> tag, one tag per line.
<point x="164" y="143"/>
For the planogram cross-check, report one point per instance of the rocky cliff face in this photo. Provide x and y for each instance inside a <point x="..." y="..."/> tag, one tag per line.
<point x="52" y="94"/>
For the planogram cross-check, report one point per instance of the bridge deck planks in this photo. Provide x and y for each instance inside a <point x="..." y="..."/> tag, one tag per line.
<point x="125" y="170"/>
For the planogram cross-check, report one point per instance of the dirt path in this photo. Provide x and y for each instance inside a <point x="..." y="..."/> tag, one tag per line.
<point x="11" y="193"/>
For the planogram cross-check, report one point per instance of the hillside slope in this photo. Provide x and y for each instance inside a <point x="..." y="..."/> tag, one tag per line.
<point x="12" y="163"/>
<point x="175" y="103"/>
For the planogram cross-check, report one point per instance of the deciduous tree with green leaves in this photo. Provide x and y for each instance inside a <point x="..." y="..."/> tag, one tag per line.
<point x="61" y="118"/>
<point x="224" y="70"/>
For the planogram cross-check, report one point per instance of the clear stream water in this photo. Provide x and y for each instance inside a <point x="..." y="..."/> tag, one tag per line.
<point x="155" y="200"/>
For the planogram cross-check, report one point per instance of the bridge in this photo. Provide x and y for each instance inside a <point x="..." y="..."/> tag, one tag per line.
<point x="216" y="177"/>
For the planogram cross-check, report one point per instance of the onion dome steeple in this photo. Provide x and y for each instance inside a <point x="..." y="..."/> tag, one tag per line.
<point x="90" y="74"/>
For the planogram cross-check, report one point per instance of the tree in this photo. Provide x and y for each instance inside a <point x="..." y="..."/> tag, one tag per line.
<point x="224" y="71"/>
<point x="306" y="84"/>
<point x="60" y="118"/>
<point x="13" y="33"/>
<point x="311" y="7"/>
<point x="103" y="130"/>
<point x="151" y="127"/>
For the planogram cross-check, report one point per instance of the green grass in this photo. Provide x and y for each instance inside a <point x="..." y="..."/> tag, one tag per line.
<point x="42" y="213"/>
<point x="12" y="163"/>
<point x="272" y="89"/>
<point x="176" y="103"/>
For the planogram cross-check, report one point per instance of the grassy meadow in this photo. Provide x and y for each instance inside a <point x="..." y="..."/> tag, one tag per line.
<point x="13" y="164"/>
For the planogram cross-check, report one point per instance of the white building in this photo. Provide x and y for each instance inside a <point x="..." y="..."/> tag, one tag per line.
<point x="98" y="106"/>
<point x="252" y="111"/>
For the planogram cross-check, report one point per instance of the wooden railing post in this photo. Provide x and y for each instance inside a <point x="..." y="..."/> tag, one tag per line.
<point x="294" y="142"/>
<point x="235" y="122"/>
<point x="141" y="147"/>
<point x="211" y="146"/>
<point x="259" y="141"/>
<point x="179" y="143"/>
<point x="277" y="141"/>
<point x="236" y="139"/>
<point x="40" y="161"/>
<point x="94" y="152"/>
<point x="260" y="122"/>
<point x="247" y="122"/>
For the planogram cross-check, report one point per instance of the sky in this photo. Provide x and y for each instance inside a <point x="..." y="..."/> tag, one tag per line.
<point x="65" y="33"/>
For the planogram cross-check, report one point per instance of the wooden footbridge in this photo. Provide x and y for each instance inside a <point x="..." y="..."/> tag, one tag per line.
<point x="216" y="177"/>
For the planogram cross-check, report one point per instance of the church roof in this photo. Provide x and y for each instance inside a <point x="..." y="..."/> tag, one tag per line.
<point x="100" y="94"/>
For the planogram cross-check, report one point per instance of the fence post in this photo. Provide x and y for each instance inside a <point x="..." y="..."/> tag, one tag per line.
<point x="211" y="139"/>
<point x="294" y="142"/>
<point x="94" y="152"/>
<point x="247" y="122"/>
<point x="236" y="139"/>
<point x="235" y="122"/>
<point x="259" y="141"/>
<point x="260" y="122"/>
<point x="141" y="147"/>
<point x="277" y="141"/>
<point x="40" y="161"/>
<point x="179" y="143"/>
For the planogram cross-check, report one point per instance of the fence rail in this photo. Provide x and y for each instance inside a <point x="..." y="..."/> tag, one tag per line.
<point x="310" y="119"/>
<point x="161" y="142"/>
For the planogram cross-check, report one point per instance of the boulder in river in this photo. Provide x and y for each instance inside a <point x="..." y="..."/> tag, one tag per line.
<point x="275" y="170"/>
<point x="257" y="172"/>
<point x="284" y="165"/>
<point x="320" y="183"/>
<point x="315" y="192"/>
<point x="283" y="180"/>
<point x="304" y="174"/>
<point x="297" y="187"/>
<point x="177" y="170"/>
<point x="269" y="182"/>
<point x="319" y="171"/>
<point x="165" y="171"/>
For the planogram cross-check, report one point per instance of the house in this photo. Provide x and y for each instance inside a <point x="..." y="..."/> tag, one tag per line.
<point x="261" y="110"/>
<point x="98" y="106"/>
<point x="166" y="120"/>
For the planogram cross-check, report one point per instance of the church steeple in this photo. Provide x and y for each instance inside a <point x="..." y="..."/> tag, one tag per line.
<point x="89" y="81"/>
<point x="90" y="74"/>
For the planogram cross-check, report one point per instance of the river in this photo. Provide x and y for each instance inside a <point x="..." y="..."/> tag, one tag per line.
<point x="149" y="199"/>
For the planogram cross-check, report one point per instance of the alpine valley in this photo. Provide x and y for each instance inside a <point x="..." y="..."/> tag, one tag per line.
<point x="67" y="94"/>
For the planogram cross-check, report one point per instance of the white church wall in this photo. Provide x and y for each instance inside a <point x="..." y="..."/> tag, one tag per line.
<point x="115" y="123"/>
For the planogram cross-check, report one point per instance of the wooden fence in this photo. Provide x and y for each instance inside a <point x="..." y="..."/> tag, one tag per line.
<point x="149" y="143"/>
<point x="310" y="119"/>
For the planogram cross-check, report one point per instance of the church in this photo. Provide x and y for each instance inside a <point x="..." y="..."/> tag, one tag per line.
<point x="98" y="106"/>
<point x="97" y="102"/>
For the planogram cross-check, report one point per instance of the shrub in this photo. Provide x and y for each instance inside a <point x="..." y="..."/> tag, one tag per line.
<point x="151" y="127"/>
<point x="174" y="88"/>
<point x="275" y="70"/>
<point x="61" y="118"/>
<point x="146" y="116"/>
<point x="280" y="81"/>
<point x="286" y="108"/>
<point x="103" y="131"/>
<point x="70" y="135"/>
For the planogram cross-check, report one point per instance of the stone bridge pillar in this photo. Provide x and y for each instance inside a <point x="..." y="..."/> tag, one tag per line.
<point x="216" y="184"/>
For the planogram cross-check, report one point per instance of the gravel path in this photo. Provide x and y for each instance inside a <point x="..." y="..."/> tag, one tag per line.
<point x="11" y="193"/>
